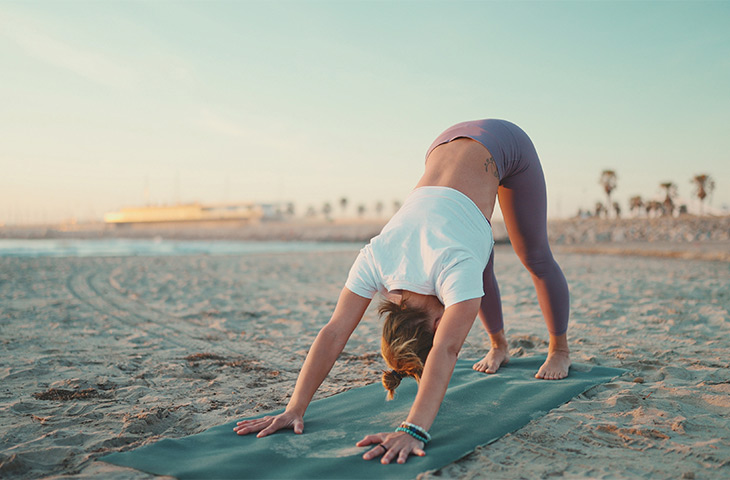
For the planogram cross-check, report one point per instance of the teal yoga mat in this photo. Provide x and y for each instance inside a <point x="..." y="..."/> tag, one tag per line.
<point x="477" y="410"/>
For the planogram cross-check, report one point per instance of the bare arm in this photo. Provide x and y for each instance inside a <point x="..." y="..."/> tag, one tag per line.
<point x="326" y="348"/>
<point x="450" y="336"/>
<point x="328" y="345"/>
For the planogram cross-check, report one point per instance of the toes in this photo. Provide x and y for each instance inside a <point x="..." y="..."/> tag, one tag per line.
<point x="491" y="363"/>
<point x="484" y="367"/>
<point x="480" y="367"/>
<point x="551" y="375"/>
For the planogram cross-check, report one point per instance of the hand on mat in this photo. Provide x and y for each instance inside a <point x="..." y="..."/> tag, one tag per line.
<point x="392" y="445"/>
<point x="270" y="424"/>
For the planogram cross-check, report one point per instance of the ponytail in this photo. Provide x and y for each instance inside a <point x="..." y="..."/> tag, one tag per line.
<point x="407" y="339"/>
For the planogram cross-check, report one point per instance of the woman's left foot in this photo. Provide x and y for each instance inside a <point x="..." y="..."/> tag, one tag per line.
<point x="556" y="366"/>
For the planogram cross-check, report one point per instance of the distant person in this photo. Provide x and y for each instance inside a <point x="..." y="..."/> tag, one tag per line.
<point x="433" y="262"/>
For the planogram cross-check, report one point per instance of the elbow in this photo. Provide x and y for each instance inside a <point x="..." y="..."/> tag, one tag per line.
<point x="448" y="350"/>
<point x="453" y="351"/>
<point x="327" y="333"/>
<point x="333" y="336"/>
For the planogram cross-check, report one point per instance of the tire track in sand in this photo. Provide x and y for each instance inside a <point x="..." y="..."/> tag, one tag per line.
<point x="94" y="288"/>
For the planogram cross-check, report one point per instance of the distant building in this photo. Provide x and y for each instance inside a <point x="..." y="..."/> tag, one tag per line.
<point x="195" y="212"/>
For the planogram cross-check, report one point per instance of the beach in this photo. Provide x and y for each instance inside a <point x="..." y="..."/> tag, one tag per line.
<point x="185" y="185"/>
<point x="108" y="353"/>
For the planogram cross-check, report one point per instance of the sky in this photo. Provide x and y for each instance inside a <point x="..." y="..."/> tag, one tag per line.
<point x="120" y="103"/>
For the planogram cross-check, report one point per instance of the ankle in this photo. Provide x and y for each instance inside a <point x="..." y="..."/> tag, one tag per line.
<point x="559" y="351"/>
<point x="559" y="344"/>
<point x="499" y="340"/>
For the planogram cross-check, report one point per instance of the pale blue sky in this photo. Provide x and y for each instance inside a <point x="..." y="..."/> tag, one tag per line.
<point x="311" y="101"/>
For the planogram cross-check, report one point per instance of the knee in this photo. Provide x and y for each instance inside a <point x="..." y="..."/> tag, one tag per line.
<point x="539" y="264"/>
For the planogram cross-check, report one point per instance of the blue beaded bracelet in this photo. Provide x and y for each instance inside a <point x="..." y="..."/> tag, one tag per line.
<point x="416" y="429"/>
<point x="412" y="434"/>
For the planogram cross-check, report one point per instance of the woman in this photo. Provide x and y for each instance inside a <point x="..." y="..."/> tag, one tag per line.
<point x="433" y="262"/>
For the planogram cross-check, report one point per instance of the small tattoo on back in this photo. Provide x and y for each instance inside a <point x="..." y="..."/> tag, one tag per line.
<point x="490" y="161"/>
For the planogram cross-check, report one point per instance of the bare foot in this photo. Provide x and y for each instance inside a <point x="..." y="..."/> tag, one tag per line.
<point x="495" y="358"/>
<point x="556" y="366"/>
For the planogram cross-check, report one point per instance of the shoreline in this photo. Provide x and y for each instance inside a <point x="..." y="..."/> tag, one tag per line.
<point x="685" y="237"/>
<point x="321" y="231"/>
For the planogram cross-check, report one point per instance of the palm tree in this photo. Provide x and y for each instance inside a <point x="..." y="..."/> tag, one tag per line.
<point x="343" y="205"/>
<point x="617" y="209"/>
<point x="654" y="206"/>
<point x="608" y="180"/>
<point x="600" y="208"/>
<point x="636" y="203"/>
<point x="396" y="206"/>
<point x="670" y="190"/>
<point x="361" y="210"/>
<point x="649" y="206"/>
<point x="326" y="210"/>
<point x="704" y="185"/>
<point x="379" y="208"/>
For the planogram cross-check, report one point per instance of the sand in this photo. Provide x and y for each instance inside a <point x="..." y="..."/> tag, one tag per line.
<point x="107" y="354"/>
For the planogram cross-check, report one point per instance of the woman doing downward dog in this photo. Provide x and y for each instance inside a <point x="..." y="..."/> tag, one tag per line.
<point x="433" y="262"/>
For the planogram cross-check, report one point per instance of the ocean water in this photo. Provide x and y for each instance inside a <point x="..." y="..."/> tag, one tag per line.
<point x="157" y="247"/>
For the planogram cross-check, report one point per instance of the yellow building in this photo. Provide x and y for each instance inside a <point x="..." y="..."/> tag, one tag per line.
<point x="194" y="212"/>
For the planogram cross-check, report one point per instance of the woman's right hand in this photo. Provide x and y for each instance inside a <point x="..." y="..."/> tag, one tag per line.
<point x="270" y="424"/>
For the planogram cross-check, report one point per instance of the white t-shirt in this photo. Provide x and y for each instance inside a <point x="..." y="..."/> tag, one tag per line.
<point x="438" y="243"/>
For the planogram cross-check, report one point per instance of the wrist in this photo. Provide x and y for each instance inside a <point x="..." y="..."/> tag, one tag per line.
<point x="419" y="433"/>
<point x="296" y="410"/>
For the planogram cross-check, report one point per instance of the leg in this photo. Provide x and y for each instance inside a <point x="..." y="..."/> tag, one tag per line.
<point x="523" y="200"/>
<point x="490" y="313"/>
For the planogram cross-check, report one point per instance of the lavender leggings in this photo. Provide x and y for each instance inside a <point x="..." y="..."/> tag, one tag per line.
<point x="523" y="200"/>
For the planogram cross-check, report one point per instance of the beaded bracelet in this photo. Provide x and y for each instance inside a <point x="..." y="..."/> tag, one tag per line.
<point x="419" y="430"/>
<point x="412" y="434"/>
<point x="415" y="431"/>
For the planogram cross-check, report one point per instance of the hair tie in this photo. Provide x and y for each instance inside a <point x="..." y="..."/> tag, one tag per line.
<point x="400" y="375"/>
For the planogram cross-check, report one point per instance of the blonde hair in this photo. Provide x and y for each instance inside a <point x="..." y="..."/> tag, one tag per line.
<point x="407" y="339"/>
